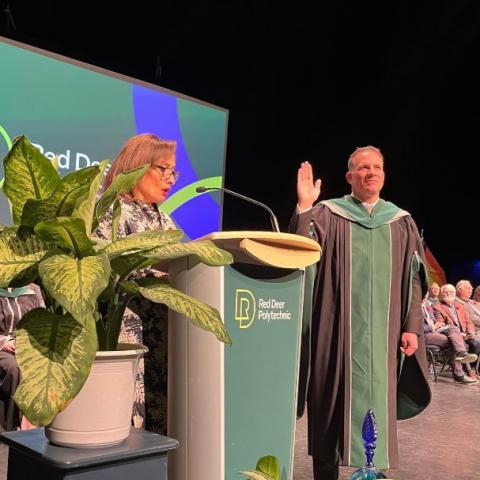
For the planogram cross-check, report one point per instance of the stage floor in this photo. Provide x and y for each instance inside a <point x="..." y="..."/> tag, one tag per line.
<point x="440" y="444"/>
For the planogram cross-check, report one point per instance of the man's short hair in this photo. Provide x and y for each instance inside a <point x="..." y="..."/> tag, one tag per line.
<point x="368" y="148"/>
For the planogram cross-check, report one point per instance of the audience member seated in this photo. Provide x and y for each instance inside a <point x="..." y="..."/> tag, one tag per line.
<point x="432" y="294"/>
<point x="455" y="315"/>
<point x="443" y="336"/>
<point x="14" y="303"/>
<point x="464" y="292"/>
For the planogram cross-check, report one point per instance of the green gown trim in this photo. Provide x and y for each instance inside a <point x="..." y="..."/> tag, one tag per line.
<point x="369" y="322"/>
<point x="352" y="209"/>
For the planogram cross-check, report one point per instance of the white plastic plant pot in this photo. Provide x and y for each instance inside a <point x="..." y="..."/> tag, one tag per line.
<point x="100" y="415"/>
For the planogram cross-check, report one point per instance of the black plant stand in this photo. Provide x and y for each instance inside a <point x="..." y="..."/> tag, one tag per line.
<point x="142" y="456"/>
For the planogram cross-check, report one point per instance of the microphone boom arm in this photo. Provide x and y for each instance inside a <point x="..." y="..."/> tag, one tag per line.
<point x="273" y="218"/>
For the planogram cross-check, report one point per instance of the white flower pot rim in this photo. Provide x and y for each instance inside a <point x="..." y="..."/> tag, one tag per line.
<point x="122" y="350"/>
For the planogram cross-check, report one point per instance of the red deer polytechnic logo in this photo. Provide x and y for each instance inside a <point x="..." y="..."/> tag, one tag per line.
<point x="245" y="307"/>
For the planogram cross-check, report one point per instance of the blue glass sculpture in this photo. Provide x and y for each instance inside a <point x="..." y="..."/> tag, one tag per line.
<point x="369" y="435"/>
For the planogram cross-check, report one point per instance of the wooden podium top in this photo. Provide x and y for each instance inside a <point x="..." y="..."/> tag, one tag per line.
<point x="276" y="249"/>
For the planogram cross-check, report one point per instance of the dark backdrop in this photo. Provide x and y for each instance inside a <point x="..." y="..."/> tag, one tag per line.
<point x="305" y="84"/>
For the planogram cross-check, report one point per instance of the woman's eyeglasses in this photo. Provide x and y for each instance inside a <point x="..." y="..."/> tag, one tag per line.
<point x="167" y="172"/>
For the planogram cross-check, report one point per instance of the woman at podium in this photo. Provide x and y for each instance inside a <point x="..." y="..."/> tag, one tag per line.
<point x="145" y="322"/>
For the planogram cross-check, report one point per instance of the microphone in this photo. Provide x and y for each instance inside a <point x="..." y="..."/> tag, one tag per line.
<point x="273" y="218"/>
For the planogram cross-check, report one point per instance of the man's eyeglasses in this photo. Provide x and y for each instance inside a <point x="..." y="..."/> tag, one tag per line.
<point x="167" y="172"/>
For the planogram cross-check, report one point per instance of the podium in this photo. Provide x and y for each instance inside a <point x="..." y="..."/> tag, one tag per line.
<point x="230" y="405"/>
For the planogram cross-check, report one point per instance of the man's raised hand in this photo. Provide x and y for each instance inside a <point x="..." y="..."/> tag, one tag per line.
<point x="307" y="190"/>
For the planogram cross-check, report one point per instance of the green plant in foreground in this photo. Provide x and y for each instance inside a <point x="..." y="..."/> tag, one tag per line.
<point x="268" y="468"/>
<point x="86" y="282"/>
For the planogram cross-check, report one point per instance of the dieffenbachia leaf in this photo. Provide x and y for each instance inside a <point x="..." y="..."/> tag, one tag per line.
<point x="67" y="233"/>
<point x="75" y="283"/>
<point x="85" y="208"/>
<point x="116" y="214"/>
<point x="62" y="201"/>
<point x="125" y="264"/>
<point x="19" y="257"/>
<point x="55" y="354"/>
<point x="160" y="291"/>
<point x="28" y="175"/>
<point x="206" y="251"/>
<point x="270" y="466"/>
<point x="143" y="242"/>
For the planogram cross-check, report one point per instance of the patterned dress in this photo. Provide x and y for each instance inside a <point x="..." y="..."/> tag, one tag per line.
<point x="144" y="321"/>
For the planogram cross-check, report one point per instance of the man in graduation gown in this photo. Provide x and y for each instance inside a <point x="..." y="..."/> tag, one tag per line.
<point x="367" y="347"/>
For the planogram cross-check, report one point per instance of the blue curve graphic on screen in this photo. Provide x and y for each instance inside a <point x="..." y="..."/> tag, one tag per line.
<point x="157" y="113"/>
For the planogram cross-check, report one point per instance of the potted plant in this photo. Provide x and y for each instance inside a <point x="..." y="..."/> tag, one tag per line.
<point x="85" y="281"/>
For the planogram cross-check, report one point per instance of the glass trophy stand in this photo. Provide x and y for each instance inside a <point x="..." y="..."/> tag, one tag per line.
<point x="369" y="435"/>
